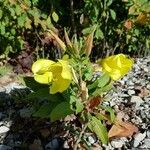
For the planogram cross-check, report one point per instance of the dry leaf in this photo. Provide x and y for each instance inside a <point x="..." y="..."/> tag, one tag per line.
<point x="89" y="43"/>
<point x="128" y="24"/>
<point x="57" y="39"/>
<point x="94" y="102"/>
<point x="142" y="19"/>
<point x="67" y="39"/>
<point x="122" y="129"/>
<point x="84" y="91"/>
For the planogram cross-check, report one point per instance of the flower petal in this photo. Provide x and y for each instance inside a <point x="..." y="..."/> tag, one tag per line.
<point x="45" y="78"/>
<point x="41" y="66"/>
<point x="116" y="66"/>
<point x="66" y="70"/>
<point x="59" y="85"/>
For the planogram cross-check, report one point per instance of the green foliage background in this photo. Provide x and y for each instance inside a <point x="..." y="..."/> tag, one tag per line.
<point x="122" y="25"/>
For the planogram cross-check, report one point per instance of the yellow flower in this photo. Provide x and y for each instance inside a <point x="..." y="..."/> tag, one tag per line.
<point x="58" y="74"/>
<point x="116" y="66"/>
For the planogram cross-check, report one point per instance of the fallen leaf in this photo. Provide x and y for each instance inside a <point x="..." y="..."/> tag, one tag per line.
<point x="122" y="129"/>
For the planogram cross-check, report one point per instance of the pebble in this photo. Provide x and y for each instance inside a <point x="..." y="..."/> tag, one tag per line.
<point x="148" y="134"/>
<point x="3" y="129"/>
<point x="147" y="143"/>
<point x="5" y="147"/>
<point x="91" y="140"/>
<point x="26" y="112"/>
<point x="55" y="144"/>
<point x="138" y="138"/>
<point x="146" y="69"/>
<point x="117" y="143"/>
<point x="131" y="92"/>
<point x="148" y="86"/>
<point x="137" y="100"/>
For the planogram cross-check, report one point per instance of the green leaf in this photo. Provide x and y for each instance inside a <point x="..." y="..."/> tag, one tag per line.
<point x="18" y="10"/>
<point x="21" y="20"/>
<point x="2" y="29"/>
<point x="13" y="31"/>
<point x="88" y="30"/>
<point x="79" y="106"/>
<point x="109" y="2"/>
<point x="99" y="129"/>
<point x="44" y="111"/>
<point x="32" y="84"/>
<point x="1" y="14"/>
<point x="28" y="23"/>
<point x="100" y="82"/>
<point x="103" y="80"/>
<point x="44" y="93"/>
<point x="99" y="34"/>
<point x="76" y="104"/>
<point x="60" y="111"/>
<point x="111" y="111"/>
<point x="49" y="23"/>
<point x="99" y="91"/>
<point x="113" y="14"/>
<point x="88" y="72"/>
<point x="55" y="16"/>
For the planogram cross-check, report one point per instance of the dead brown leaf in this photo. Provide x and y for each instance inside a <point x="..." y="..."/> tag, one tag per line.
<point x="122" y="129"/>
<point x="94" y="102"/>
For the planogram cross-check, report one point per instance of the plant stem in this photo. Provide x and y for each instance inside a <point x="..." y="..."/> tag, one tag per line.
<point x="80" y="136"/>
<point x="72" y="16"/>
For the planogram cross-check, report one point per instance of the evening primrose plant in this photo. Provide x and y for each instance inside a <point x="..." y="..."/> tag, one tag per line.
<point x="74" y="85"/>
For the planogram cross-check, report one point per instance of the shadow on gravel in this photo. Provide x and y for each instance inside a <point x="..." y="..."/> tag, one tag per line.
<point x="20" y="131"/>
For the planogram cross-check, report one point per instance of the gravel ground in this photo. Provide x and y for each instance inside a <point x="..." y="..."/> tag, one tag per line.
<point x="131" y="98"/>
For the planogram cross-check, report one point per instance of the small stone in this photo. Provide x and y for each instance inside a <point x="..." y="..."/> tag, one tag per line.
<point x="124" y="95"/>
<point x="148" y="134"/>
<point x="131" y="87"/>
<point x="54" y="144"/>
<point x="112" y="103"/>
<point x="147" y="143"/>
<point x="66" y="146"/>
<point x="122" y="82"/>
<point x="5" y="147"/>
<point x="148" y="86"/>
<point x="130" y="83"/>
<point x="146" y="69"/>
<point x="4" y="129"/>
<point x="131" y="92"/>
<point x="136" y="99"/>
<point x="26" y="112"/>
<point x="108" y="146"/>
<point x="91" y="140"/>
<point x="117" y="143"/>
<point x="1" y="123"/>
<point x="138" y="138"/>
<point x="2" y="89"/>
